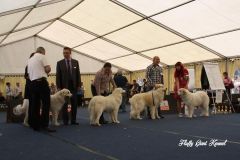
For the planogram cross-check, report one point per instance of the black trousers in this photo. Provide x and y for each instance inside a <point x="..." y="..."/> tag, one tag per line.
<point x="27" y="89"/>
<point x="39" y="96"/>
<point x="80" y="100"/>
<point x="94" y="93"/>
<point x="73" y="101"/>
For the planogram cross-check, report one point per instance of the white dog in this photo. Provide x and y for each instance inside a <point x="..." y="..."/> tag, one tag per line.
<point x="110" y="104"/>
<point x="149" y="99"/>
<point x="192" y="100"/>
<point x="57" y="101"/>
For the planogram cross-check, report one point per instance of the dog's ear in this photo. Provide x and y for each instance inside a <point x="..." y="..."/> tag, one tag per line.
<point x="64" y="92"/>
<point x="184" y="91"/>
<point x="61" y="92"/>
<point x="118" y="90"/>
<point x="156" y="86"/>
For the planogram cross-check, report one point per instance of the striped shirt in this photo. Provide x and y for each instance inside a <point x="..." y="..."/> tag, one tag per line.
<point x="154" y="75"/>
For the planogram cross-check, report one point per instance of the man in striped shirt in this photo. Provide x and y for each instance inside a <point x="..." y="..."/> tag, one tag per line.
<point x="154" y="76"/>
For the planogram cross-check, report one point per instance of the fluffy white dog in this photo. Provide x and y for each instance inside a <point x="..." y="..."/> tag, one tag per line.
<point x="57" y="101"/>
<point x="192" y="100"/>
<point x="149" y="99"/>
<point x="110" y="104"/>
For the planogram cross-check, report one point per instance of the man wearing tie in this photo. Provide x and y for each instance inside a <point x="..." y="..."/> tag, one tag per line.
<point x="68" y="76"/>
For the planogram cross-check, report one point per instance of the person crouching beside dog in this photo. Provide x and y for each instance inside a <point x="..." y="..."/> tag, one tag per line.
<point x="181" y="76"/>
<point x="154" y="76"/>
<point x="101" y="83"/>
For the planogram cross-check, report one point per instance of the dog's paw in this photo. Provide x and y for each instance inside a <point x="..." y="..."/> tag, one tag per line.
<point x="25" y="124"/>
<point x="117" y="122"/>
<point x="95" y="124"/>
<point x="204" y="115"/>
<point x="57" y="124"/>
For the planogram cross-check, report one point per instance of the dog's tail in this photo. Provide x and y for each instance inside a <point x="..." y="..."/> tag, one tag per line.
<point x="20" y="109"/>
<point x="91" y="109"/>
<point x="91" y="104"/>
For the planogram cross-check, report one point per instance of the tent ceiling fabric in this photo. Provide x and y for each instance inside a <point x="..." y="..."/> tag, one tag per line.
<point x="143" y="35"/>
<point x="102" y="49"/>
<point x="227" y="44"/>
<point x="103" y="17"/>
<point x="183" y="52"/>
<point x="55" y="53"/>
<point x="203" y="17"/>
<point x="24" y="33"/>
<point x="156" y="6"/>
<point x="8" y="22"/>
<point x="43" y="1"/>
<point x="41" y="14"/>
<point x="13" y="57"/>
<point x="134" y="62"/>
<point x="8" y="5"/>
<point x="115" y="30"/>
<point x="65" y="34"/>
<point x="1" y="37"/>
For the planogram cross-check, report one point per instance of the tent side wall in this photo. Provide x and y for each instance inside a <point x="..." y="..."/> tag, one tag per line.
<point x="168" y="72"/>
<point x="168" y="76"/>
<point x="14" y="56"/>
<point x="13" y="79"/>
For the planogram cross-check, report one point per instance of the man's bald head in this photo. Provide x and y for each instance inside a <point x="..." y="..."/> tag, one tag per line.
<point x="156" y="60"/>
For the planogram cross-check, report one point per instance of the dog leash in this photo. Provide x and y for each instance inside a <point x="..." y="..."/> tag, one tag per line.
<point x="153" y="99"/>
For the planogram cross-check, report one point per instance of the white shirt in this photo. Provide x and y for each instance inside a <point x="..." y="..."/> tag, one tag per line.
<point x="36" y="66"/>
<point x="17" y="91"/>
<point x="8" y="91"/>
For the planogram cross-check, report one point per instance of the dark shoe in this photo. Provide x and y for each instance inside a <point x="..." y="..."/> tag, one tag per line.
<point x="36" y="129"/>
<point x="49" y="129"/>
<point x="65" y="123"/>
<point x="74" y="123"/>
<point x="103" y="122"/>
<point x="161" y="116"/>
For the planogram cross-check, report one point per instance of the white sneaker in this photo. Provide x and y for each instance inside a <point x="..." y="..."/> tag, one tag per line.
<point x="180" y="115"/>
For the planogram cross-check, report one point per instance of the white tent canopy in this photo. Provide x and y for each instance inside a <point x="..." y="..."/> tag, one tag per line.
<point x="127" y="33"/>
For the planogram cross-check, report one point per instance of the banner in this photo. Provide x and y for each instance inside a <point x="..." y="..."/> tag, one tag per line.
<point x="164" y="105"/>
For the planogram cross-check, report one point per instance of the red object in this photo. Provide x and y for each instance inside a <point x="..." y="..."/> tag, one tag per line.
<point x="228" y="83"/>
<point x="69" y="108"/>
<point x="182" y="76"/>
<point x="164" y="106"/>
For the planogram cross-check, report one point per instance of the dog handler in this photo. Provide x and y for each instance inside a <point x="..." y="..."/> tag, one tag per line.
<point x="181" y="76"/>
<point x="38" y="69"/>
<point x="154" y="76"/>
<point x="101" y="83"/>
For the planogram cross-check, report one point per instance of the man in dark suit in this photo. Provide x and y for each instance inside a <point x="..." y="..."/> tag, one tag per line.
<point x="68" y="76"/>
